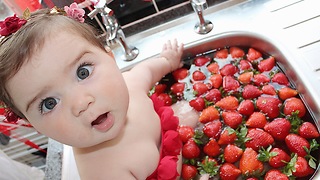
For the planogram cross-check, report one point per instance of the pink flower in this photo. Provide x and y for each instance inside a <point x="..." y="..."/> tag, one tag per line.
<point x="11" y="25"/>
<point x="75" y="12"/>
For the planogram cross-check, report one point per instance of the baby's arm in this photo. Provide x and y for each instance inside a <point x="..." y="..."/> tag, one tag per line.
<point x="147" y="73"/>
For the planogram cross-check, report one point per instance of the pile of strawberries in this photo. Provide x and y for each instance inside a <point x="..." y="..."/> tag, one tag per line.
<point x="252" y="123"/>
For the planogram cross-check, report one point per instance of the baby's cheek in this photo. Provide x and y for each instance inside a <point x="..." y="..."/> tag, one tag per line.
<point x="186" y="114"/>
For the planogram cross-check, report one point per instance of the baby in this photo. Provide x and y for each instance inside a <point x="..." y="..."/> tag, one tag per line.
<point x="56" y="74"/>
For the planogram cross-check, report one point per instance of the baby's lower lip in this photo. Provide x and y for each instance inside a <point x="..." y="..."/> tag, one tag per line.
<point x="103" y="123"/>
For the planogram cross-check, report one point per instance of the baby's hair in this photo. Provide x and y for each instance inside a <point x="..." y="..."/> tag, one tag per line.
<point x="17" y="48"/>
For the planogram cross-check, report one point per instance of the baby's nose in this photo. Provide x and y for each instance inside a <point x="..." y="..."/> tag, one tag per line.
<point x="81" y="103"/>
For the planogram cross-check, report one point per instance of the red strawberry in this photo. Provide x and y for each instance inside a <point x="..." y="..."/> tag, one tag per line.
<point x="286" y="92"/>
<point x="246" y="107"/>
<point x="260" y="79"/>
<point x="213" y="68"/>
<point x="296" y="143"/>
<point x="308" y="130"/>
<point x="209" y="114"/>
<point x="245" y="65"/>
<point x="214" y="95"/>
<point x="280" y="158"/>
<point x="198" y="75"/>
<point x="228" y="70"/>
<point x="165" y="98"/>
<point x="229" y="172"/>
<point x="216" y="80"/>
<point x="230" y="84"/>
<point x="198" y="103"/>
<point x="269" y="105"/>
<point x="200" y="61"/>
<point x="279" y="128"/>
<point x="221" y="54"/>
<point x="292" y="105"/>
<point x="228" y="103"/>
<point x="256" y="120"/>
<point x="228" y="136"/>
<point x="200" y="88"/>
<point x="190" y="150"/>
<point x="245" y="78"/>
<point x="302" y="168"/>
<point x="249" y="163"/>
<point x="177" y="88"/>
<point x="232" y="118"/>
<point x="251" y="91"/>
<point x="269" y="89"/>
<point x="258" y="138"/>
<point x="267" y="64"/>
<point x="232" y="153"/>
<point x="236" y="52"/>
<point x="160" y="88"/>
<point x="188" y="172"/>
<point x="180" y="73"/>
<point x="185" y="133"/>
<point x="280" y="78"/>
<point x="253" y="54"/>
<point x="275" y="174"/>
<point x="212" y="129"/>
<point x="212" y="148"/>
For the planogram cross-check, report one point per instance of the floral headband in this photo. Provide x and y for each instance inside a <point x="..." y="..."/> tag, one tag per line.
<point x="13" y="23"/>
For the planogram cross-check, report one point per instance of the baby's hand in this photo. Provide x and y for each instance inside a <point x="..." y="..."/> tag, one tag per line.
<point x="172" y="52"/>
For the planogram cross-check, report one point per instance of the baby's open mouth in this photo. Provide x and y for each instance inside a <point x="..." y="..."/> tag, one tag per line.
<point x="100" y="119"/>
<point x="103" y="123"/>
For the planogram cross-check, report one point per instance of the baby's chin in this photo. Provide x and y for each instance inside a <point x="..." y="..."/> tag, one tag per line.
<point x="186" y="114"/>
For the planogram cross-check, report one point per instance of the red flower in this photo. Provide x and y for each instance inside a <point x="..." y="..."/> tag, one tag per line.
<point x="11" y="25"/>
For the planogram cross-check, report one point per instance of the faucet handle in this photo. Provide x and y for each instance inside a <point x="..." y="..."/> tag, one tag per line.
<point x="199" y="5"/>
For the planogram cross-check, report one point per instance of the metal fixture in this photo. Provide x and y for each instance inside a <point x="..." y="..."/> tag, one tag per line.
<point x="112" y="30"/>
<point x="204" y="26"/>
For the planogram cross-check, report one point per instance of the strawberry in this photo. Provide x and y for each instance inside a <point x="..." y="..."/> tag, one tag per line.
<point x="269" y="105"/>
<point x="245" y="78"/>
<point x="232" y="118"/>
<point x="188" y="172"/>
<point x="228" y="103"/>
<point x="236" y="52"/>
<point x="221" y="54"/>
<point x="216" y="80"/>
<point x="260" y="79"/>
<point x="308" y="130"/>
<point x="249" y="164"/>
<point x="180" y="74"/>
<point x="280" y="159"/>
<point x="214" y="95"/>
<point x="292" y="105"/>
<point x="213" y="68"/>
<point x="198" y="103"/>
<point x="232" y="153"/>
<point x="190" y="150"/>
<point x="178" y="88"/>
<point x="212" y="148"/>
<point x="280" y="78"/>
<point x="228" y="136"/>
<point x="246" y="107"/>
<point x="198" y="76"/>
<point x="279" y="128"/>
<point x="200" y="88"/>
<point x="268" y="89"/>
<point x="230" y="84"/>
<point x="212" y="129"/>
<point x="165" y="98"/>
<point x="209" y="114"/>
<point x="302" y="169"/>
<point x="251" y="91"/>
<point x="185" y="133"/>
<point x="296" y="144"/>
<point x="253" y="54"/>
<point x="200" y="61"/>
<point x="229" y="172"/>
<point x="286" y="92"/>
<point x="228" y="70"/>
<point x="256" y="120"/>
<point x="160" y="88"/>
<point x="258" y="138"/>
<point x="245" y="65"/>
<point x="208" y="166"/>
<point x="266" y="64"/>
<point x="275" y="174"/>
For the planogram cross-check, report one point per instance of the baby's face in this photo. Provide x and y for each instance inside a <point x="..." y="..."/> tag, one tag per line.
<point x="71" y="91"/>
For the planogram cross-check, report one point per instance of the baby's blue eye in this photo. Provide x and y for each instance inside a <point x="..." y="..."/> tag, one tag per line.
<point x="48" y="104"/>
<point x="84" y="71"/>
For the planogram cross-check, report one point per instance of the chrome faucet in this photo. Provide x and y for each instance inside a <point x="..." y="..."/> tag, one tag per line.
<point x="204" y="26"/>
<point x="112" y="29"/>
